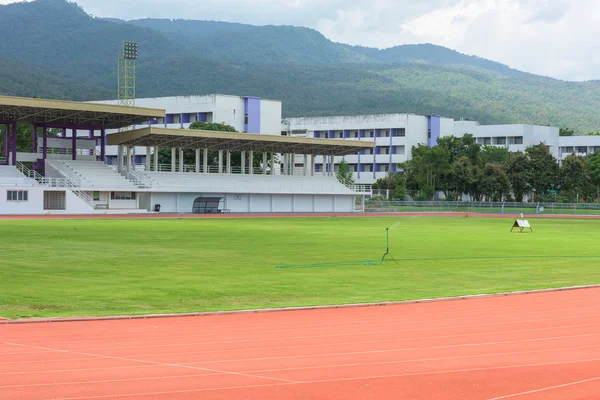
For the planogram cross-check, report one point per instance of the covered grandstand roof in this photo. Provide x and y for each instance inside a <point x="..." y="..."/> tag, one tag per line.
<point x="233" y="141"/>
<point x="70" y="113"/>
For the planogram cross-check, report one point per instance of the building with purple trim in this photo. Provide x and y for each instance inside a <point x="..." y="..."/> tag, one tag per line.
<point x="393" y="134"/>
<point x="245" y="113"/>
<point x="514" y="137"/>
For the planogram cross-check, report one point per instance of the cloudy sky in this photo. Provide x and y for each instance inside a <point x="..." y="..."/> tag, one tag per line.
<point x="557" y="38"/>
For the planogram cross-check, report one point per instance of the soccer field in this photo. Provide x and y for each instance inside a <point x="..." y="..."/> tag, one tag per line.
<point x="111" y="267"/>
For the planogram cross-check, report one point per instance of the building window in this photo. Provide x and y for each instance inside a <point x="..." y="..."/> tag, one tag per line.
<point x="122" y="195"/>
<point x="386" y="133"/>
<point x="384" y="150"/>
<point x="17" y="195"/>
<point x="428" y="133"/>
<point x="245" y="119"/>
<point x="400" y="150"/>
<point x="367" y="152"/>
<point x="401" y="132"/>
<point x="369" y="168"/>
<point x="487" y="141"/>
<point x="354" y="134"/>
<point x="384" y="167"/>
<point x="369" y="134"/>
<point x="581" y="150"/>
<point x="176" y="118"/>
<point x="501" y="141"/>
<point x="96" y="196"/>
<point x="515" y="140"/>
<point x="568" y="149"/>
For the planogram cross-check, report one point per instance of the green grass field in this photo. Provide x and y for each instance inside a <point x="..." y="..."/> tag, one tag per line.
<point x="108" y="267"/>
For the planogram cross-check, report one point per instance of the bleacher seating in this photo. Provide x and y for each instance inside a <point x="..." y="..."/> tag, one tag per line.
<point x="11" y="176"/>
<point x="236" y="183"/>
<point x="97" y="175"/>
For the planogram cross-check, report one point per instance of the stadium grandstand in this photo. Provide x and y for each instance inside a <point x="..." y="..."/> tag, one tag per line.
<point x="67" y="171"/>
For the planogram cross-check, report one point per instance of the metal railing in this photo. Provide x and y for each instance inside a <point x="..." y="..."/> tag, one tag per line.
<point x="139" y="179"/>
<point x="71" y="181"/>
<point x="484" y="207"/>
<point x="356" y="187"/>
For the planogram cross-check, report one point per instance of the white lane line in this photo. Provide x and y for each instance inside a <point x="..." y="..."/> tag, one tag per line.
<point x="508" y="396"/>
<point x="301" y="368"/>
<point x="326" y="380"/>
<point x="361" y="333"/>
<point x="400" y="320"/>
<point x="156" y="363"/>
<point x="401" y="349"/>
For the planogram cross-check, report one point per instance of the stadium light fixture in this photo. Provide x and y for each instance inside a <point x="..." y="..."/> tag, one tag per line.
<point x="130" y="50"/>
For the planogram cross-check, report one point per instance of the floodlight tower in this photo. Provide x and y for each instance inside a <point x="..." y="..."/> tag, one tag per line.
<point x="129" y="55"/>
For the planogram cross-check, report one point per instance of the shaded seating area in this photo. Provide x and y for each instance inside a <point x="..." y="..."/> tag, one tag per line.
<point x="208" y="205"/>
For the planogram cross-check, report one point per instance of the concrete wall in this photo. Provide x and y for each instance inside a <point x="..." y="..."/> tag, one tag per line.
<point x="244" y="203"/>
<point x="35" y="202"/>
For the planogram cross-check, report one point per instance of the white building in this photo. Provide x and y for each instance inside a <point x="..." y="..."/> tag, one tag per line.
<point x="579" y="145"/>
<point x="393" y="134"/>
<point x="246" y="114"/>
<point x="515" y="137"/>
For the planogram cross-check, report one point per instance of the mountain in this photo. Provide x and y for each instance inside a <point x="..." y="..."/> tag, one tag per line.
<point x="65" y="53"/>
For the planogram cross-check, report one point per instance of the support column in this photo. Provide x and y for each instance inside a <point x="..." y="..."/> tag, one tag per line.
<point x="243" y="162"/>
<point x="197" y="160"/>
<point x="44" y="144"/>
<point x="173" y="159"/>
<point x="148" y="157"/>
<point x="64" y="132"/>
<point x="220" y="161"/>
<point x="273" y="164"/>
<point x="305" y="164"/>
<point x="74" y="144"/>
<point x="312" y="164"/>
<point x="251" y="162"/>
<point x="324" y="165"/>
<point x="129" y="156"/>
<point x="205" y="161"/>
<point x="292" y="164"/>
<point x="155" y="158"/>
<point x="180" y="159"/>
<point x="14" y="144"/>
<point x="228" y="161"/>
<point x="102" y="145"/>
<point x="119" y="158"/>
<point x="34" y="138"/>
<point x="264" y="163"/>
<point x="285" y="164"/>
<point x="6" y="139"/>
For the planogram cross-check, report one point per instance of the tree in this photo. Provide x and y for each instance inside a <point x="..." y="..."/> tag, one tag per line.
<point x="428" y="166"/>
<point x="344" y="174"/>
<point x="566" y="132"/>
<point x="395" y="183"/>
<point x="594" y="171"/>
<point x="494" y="155"/>
<point x="575" y="177"/>
<point x="543" y="169"/>
<point x="518" y="170"/>
<point x="494" y="183"/>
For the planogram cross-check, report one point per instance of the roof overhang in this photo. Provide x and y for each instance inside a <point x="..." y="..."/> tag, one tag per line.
<point x="59" y="113"/>
<point x="233" y="141"/>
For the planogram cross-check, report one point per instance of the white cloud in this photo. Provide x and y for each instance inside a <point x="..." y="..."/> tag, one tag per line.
<point x="549" y="37"/>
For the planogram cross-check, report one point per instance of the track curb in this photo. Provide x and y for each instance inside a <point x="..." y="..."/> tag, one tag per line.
<point x="285" y="309"/>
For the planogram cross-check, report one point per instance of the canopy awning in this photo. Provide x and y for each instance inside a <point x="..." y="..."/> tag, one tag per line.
<point x="59" y="113"/>
<point x="233" y="141"/>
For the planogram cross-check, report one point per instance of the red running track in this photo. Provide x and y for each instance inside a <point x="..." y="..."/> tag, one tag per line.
<point x="534" y="346"/>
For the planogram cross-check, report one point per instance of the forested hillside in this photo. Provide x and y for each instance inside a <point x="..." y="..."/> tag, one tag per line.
<point x="65" y="53"/>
